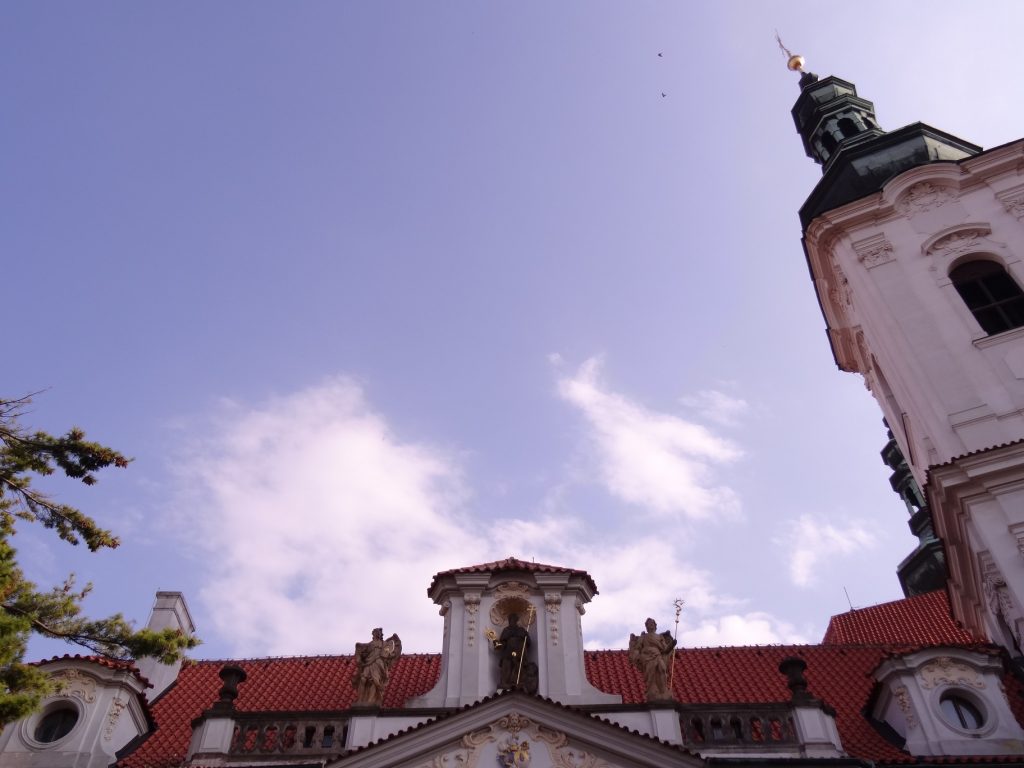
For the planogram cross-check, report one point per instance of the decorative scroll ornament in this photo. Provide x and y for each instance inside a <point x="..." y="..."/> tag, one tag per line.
<point x="1013" y="201"/>
<point x="874" y="251"/>
<point x="839" y="293"/>
<point x="902" y="697"/>
<point x="577" y="758"/>
<point x="957" y="243"/>
<point x="947" y="671"/>
<point x="74" y="683"/>
<point x="923" y="197"/>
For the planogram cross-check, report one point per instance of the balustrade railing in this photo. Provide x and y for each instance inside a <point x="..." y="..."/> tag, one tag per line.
<point x="268" y="733"/>
<point x="760" y="727"/>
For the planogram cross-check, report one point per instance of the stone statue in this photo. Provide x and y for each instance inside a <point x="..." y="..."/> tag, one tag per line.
<point x="512" y="645"/>
<point x="651" y="653"/>
<point x="373" y="667"/>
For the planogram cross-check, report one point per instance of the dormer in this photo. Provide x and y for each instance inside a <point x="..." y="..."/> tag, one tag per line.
<point x="99" y="706"/>
<point x="477" y="602"/>
<point x="947" y="701"/>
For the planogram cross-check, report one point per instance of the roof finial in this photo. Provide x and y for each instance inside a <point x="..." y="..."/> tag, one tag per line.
<point x="795" y="61"/>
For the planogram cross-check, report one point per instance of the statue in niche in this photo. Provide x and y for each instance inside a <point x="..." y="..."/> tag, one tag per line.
<point x="373" y="668"/>
<point x="651" y="653"/>
<point x="512" y="646"/>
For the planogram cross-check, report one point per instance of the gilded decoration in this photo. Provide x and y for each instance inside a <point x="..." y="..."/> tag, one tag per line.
<point x="947" y="671"/>
<point x="472" y="602"/>
<point x="874" y="251"/>
<point x="923" y="197"/>
<point x="74" y="683"/>
<point x="902" y="696"/>
<point x="513" y="753"/>
<point x="517" y="739"/>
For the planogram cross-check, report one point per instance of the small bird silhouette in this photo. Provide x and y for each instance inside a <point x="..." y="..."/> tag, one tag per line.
<point x="659" y="54"/>
<point x="663" y="94"/>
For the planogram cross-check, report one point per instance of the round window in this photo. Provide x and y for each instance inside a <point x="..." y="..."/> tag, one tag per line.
<point x="960" y="712"/>
<point x="56" y="724"/>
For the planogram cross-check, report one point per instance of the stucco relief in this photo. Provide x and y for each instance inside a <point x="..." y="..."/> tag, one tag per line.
<point x="923" y="197"/>
<point x="997" y="595"/>
<point x="1017" y="532"/>
<point x="839" y="293"/>
<point x="553" y="605"/>
<point x="902" y="696"/>
<point x="958" y="243"/>
<point x="948" y="671"/>
<point x="509" y="733"/>
<point x="874" y="251"/>
<point x="1013" y="201"/>
<point x="116" y="707"/>
<point x="575" y="758"/>
<point x="74" y="683"/>
<point x="472" y="601"/>
<point x="511" y="592"/>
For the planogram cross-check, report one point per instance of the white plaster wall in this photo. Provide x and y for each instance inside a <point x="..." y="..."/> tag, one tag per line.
<point x="961" y="391"/>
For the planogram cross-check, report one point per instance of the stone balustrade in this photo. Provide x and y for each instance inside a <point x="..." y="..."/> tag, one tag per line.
<point x="762" y="727"/>
<point x="269" y="733"/>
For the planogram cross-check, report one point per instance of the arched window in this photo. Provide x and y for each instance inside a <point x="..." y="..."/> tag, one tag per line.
<point x="847" y="127"/>
<point x="995" y="300"/>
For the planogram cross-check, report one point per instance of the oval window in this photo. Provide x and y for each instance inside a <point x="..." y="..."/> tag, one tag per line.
<point x="960" y="712"/>
<point x="56" y="724"/>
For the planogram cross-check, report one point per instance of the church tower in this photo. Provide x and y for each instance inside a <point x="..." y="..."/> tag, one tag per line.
<point x="914" y="239"/>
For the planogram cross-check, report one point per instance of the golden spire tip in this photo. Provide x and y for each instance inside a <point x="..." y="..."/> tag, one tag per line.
<point x="795" y="62"/>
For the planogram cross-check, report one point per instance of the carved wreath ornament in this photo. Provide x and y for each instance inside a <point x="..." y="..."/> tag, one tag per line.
<point x="922" y="197"/>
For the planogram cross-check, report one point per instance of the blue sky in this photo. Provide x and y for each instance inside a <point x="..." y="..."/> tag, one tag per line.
<point x="370" y="290"/>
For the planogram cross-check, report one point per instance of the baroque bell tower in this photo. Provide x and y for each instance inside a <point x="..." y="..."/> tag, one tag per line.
<point x="914" y="240"/>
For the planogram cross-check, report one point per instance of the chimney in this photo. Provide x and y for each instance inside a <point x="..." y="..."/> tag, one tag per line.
<point x="169" y="611"/>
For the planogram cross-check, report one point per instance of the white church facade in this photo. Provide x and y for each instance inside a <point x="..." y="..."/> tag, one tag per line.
<point x="914" y="241"/>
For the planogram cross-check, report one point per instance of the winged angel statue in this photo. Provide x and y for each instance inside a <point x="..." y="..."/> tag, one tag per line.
<point x="651" y="652"/>
<point x="373" y="668"/>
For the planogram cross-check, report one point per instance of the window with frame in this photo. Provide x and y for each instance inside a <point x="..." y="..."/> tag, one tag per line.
<point x="992" y="295"/>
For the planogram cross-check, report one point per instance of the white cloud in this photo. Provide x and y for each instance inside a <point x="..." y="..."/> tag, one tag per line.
<point x="755" y="628"/>
<point x="657" y="461"/>
<point x="812" y="541"/>
<point x="717" y="406"/>
<point x="318" y="522"/>
<point x="321" y="523"/>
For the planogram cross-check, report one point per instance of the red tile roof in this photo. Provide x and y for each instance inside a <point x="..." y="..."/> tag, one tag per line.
<point x="920" y="620"/>
<point x="103" y="661"/>
<point x="513" y="564"/>
<point x="838" y="672"/>
<point x="316" y="683"/>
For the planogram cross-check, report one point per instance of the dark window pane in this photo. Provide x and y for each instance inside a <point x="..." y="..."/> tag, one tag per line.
<point x="973" y="294"/>
<point x="56" y="725"/>
<point x="1001" y="286"/>
<point x="991" y="294"/>
<point x="990" y="320"/>
<point x="959" y="711"/>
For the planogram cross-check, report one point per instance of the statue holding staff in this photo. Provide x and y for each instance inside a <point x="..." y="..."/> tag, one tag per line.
<point x="373" y="668"/>
<point x="651" y="653"/>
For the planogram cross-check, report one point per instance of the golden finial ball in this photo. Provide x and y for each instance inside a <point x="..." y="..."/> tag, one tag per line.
<point x="796" y="63"/>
